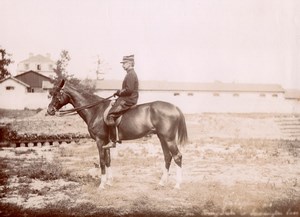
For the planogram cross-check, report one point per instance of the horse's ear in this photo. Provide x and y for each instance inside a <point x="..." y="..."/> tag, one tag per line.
<point x="61" y="84"/>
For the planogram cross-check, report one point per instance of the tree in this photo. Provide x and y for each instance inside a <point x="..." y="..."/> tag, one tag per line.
<point x="87" y="85"/>
<point x="62" y="73"/>
<point x="4" y="62"/>
<point x="61" y="66"/>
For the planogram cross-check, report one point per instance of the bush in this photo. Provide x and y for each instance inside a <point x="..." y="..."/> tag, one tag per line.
<point x="43" y="170"/>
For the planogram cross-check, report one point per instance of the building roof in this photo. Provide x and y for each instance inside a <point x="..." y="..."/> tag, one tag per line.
<point x="37" y="59"/>
<point x="182" y="86"/>
<point x="32" y="72"/>
<point x="16" y="80"/>
<point x="33" y="79"/>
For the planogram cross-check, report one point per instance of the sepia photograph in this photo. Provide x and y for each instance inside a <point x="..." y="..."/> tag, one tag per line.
<point x="127" y="108"/>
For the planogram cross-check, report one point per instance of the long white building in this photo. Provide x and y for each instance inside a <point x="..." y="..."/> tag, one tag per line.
<point x="190" y="97"/>
<point x="214" y="97"/>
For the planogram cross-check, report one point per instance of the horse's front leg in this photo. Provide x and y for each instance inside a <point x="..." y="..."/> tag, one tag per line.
<point x="108" y="168"/>
<point x="104" y="160"/>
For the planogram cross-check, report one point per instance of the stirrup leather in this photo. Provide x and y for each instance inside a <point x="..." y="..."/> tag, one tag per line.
<point x="117" y="136"/>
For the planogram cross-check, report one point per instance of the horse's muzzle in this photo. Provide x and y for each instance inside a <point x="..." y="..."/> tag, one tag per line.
<point x="51" y="111"/>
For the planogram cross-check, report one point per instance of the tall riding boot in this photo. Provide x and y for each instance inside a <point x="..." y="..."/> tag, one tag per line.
<point x="112" y="136"/>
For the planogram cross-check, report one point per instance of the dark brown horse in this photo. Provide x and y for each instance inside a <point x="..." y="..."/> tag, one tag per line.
<point x="161" y="118"/>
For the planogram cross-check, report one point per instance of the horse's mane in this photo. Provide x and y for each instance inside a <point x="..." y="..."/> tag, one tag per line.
<point x="83" y="92"/>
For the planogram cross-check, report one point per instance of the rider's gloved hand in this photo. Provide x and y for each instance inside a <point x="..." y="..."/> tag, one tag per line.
<point x="117" y="93"/>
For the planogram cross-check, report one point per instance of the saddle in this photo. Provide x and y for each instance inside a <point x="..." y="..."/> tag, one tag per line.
<point x="117" y="121"/>
<point x="105" y="114"/>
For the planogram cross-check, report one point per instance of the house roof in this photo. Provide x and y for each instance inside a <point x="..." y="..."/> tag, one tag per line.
<point x="182" y="86"/>
<point x="16" y="80"/>
<point x="34" y="72"/>
<point x="37" y="59"/>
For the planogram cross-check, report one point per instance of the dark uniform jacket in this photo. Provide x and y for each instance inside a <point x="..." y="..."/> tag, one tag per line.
<point x="128" y="96"/>
<point x="129" y="92"/>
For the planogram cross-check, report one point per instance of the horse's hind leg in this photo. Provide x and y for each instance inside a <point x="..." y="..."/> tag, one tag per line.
<point x="178" y="160"/>
<point x="168" y="159"/>
<point x="170" y="150"/>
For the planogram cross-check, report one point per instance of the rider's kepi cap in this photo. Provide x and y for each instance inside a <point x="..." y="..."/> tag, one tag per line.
<point x="129" y="58"/>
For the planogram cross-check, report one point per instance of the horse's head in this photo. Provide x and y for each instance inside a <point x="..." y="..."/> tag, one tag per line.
<point x="59" y="98"/>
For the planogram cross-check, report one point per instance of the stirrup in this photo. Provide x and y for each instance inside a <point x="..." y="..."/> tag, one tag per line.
<point x="109" y="145"/>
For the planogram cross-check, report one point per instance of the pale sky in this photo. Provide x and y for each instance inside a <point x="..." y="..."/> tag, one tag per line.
<point x="249" y="41"/>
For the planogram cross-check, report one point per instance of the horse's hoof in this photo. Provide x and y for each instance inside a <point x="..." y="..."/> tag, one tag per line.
<point x="101" y="188"/>
<point x="177" y="186"/>
<point x="161" y="183"/>
<point x="109" y="183"/>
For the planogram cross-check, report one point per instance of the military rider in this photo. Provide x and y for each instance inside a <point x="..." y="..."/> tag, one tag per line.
<point x="127" y="97"/>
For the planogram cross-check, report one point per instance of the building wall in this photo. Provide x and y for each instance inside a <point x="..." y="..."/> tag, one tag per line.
<point x="24" y="100"/>
<point x="43" y="67"/>
<point x="36" y="66"/>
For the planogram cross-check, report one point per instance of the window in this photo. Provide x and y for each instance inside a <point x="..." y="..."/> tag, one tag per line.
<point x="176" y="94"/>
<point x="38" y="67"/>
<point x="10" y="87"/>
<point x="274" y="95"/>
<point x="262" y="95"/>
<point x="216" y="94"/>
<point x="190" y="94"/>
<point x="236" y="94"/>
<point x="50" y="66"/>
<point x="26" y="66"/>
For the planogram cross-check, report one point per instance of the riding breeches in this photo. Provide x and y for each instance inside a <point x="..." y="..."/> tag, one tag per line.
<point x="118" y="108"/>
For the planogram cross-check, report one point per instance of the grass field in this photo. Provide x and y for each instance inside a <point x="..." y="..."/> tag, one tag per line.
<point x="233" y="165"/>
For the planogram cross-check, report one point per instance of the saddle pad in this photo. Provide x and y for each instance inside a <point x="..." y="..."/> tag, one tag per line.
<point x="106" y="113"/>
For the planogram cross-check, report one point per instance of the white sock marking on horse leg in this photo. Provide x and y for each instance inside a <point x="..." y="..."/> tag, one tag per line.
<point x="164" y="177"/>
<point x="109" y="176"/>
<point x="178" y="176"/>
<point x="103" y="182"/>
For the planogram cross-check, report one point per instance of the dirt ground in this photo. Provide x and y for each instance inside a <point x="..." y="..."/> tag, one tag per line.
<point x="233" y="165"/>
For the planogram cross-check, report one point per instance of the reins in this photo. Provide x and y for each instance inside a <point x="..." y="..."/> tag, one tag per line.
<point x="74" y="111"/>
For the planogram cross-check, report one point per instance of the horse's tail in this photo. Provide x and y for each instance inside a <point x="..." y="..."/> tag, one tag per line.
<point x="182" y="130"/>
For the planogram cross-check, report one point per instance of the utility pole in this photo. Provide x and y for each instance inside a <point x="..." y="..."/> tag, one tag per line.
<point x="99" y="70"/>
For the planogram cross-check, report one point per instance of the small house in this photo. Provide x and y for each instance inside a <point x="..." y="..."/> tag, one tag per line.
<point x="37" y="81"/>
<point x="11" y="85"/>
